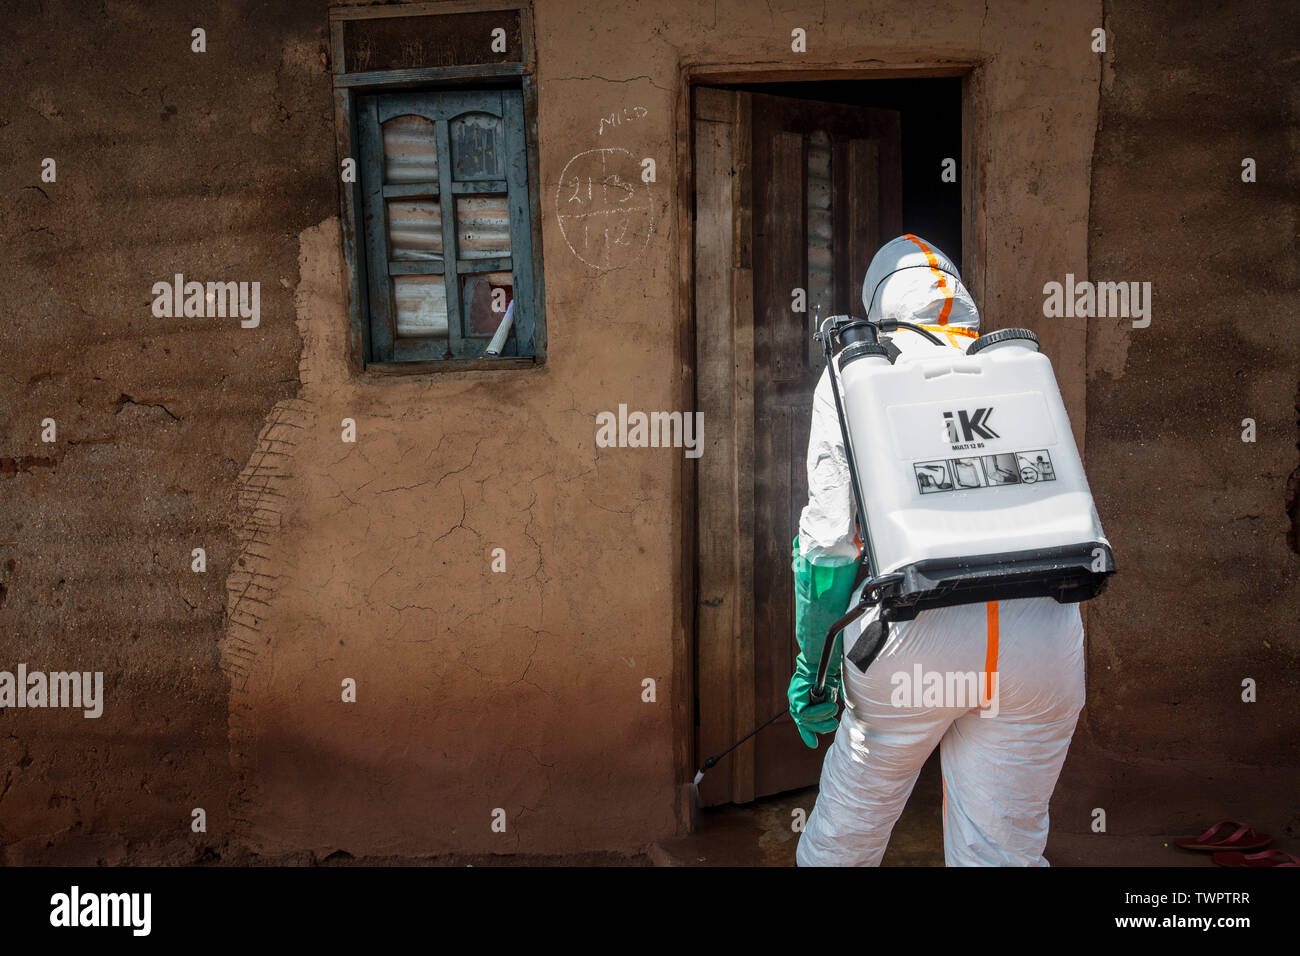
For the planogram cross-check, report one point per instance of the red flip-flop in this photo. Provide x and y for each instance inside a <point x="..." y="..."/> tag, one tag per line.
<point x="1269" y="858"/>
<point x="1243" y="838"/>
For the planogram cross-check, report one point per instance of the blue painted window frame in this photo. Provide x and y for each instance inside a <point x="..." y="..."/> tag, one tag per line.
<point x="363" y="101"/>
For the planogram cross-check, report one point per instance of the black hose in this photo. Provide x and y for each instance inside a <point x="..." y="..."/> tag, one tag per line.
<point x="890" y="324"/>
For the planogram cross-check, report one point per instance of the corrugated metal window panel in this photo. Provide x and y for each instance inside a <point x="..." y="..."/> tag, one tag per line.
<point x="421" y="303"/>
<point x="410" y="150"/>
<point x="482" y="227"/>
<point x="414" y="229"/>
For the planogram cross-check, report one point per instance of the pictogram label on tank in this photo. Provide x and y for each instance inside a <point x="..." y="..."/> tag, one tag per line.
<point x="984" y="471"/>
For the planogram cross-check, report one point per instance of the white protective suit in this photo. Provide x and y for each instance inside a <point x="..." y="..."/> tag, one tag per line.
<point x="1000" y="758"/>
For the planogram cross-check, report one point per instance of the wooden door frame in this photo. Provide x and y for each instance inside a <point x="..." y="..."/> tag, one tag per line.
<point x="975" y="150"/>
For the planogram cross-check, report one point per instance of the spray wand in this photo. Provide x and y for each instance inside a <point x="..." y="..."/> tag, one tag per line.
<point x="708" y="764"/>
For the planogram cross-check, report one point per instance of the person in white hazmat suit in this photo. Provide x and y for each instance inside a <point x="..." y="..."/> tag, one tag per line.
<point x="1001" y="753"/>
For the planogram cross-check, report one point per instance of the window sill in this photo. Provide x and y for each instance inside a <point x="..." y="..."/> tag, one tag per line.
<point x="508" y="363"/>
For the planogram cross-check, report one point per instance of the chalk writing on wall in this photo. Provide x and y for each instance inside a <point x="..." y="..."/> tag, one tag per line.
<point x="605" y="211"/>
<point x="617" y="118"/>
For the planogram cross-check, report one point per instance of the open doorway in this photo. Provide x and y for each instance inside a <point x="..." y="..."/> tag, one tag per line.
<point x="796" y="185"/>
<point x="930" y="132"/>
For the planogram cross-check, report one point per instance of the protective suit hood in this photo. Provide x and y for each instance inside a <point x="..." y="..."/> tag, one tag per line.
<point x="911" y="280"/>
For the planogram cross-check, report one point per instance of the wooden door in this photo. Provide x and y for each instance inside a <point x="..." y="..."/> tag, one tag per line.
<point x="789" y="194"/>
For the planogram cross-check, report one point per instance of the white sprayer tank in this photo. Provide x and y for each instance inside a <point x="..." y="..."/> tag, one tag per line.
<point x="972" y="483"/>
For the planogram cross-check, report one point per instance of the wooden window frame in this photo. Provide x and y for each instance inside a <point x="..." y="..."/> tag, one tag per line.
<point x="349" y="88"/>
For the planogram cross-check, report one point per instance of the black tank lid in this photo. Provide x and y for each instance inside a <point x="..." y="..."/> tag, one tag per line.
<point x="859" y="350"/>
<point x="1002" y="335"/>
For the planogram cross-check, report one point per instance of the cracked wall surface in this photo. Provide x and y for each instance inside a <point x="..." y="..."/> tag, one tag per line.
<point x="166" y="161"/>
<point x="371" y="561"/>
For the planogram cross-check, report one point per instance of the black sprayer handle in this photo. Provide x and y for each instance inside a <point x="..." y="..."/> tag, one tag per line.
<point x="870" y="598"/>
<point x="818" y="694"/>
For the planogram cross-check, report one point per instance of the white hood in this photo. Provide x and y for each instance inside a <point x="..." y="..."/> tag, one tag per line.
<point x="911" y="280"/>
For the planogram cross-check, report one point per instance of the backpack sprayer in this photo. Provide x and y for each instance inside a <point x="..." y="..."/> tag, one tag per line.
<point x="977" y="489"/>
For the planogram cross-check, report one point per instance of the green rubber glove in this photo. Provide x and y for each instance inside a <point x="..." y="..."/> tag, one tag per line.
<point x="822" y="589"/>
